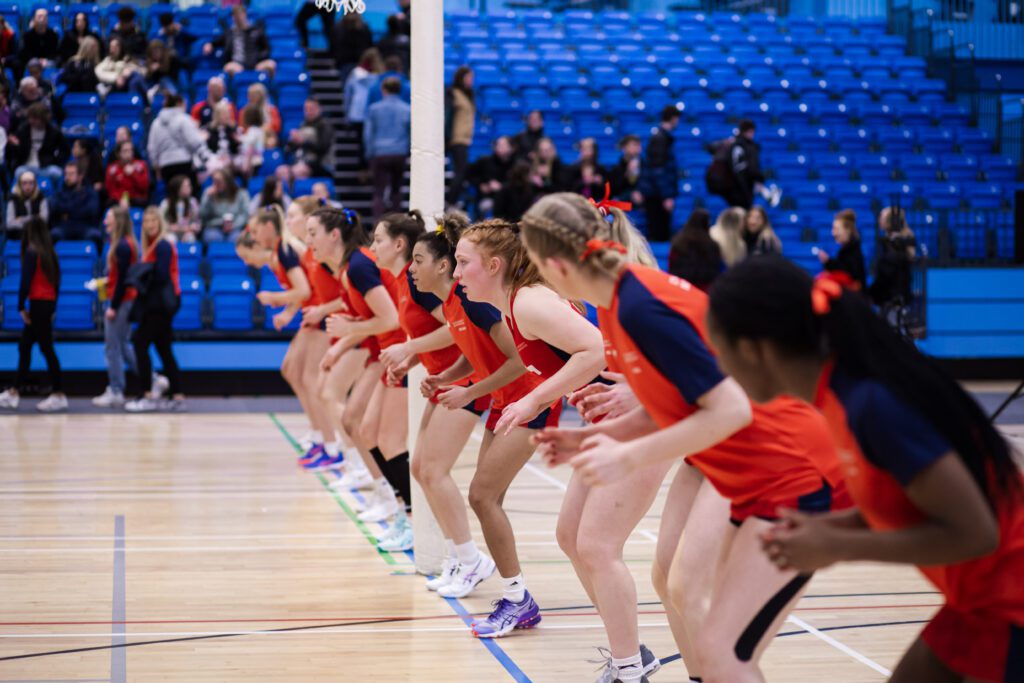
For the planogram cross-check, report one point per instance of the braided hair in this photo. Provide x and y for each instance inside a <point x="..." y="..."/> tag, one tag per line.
<point x="499" y="238"/>
<point x="408" y="226"/>
<point x="441" y="242"/>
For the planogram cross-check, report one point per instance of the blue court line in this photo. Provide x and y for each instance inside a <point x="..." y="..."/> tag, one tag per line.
<point x="118" y="655"/>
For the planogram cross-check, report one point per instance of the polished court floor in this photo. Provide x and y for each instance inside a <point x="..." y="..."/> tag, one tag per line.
<point x="190" y="548"/>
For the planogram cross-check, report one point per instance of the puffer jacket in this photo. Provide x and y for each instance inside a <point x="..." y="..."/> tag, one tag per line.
<point x="174" y="139"/>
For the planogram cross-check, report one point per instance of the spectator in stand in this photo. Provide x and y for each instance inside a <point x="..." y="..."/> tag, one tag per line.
<point x="176" y="38"/>
<point x="694" y="255"/>
<point x="758" y="234"/>
<point x="728" y="233"/>
<point x="154" y="309"/>
<point x="26" y="202"/>
<point x="37" y="304"/>
<point x="547" y="173"/>
<point x="357" y="87"/>
<point x="5" y="110"/>
<point x="75" y="213"/>
<point x="79" y="73"/>
<point x="71" y="43"/>
<point x="310" y="144"/>
<point x="161" y="70"/>
<point x="38" y="146"/>
<point x="180" y="210"/>
<point x="35" y="70"/>
<point x="322" y="194"/>
<point x="121" y="134"/>
<point x="245" y="45"/>
<point x="119" y="71"/>
<point x="222" y="137"/>
<point x="224" y="209"/>
<point x="350" y="38"/>
<point x="117" y="327"/>
<point x="849" y="259"/>
<point x="745" y="158"/>
<point x="307" y="12"/>
<point x="252" y="142"/>
<point x="202" y="111"/>
<point x="526" y="141"/>
<point x="660" y="177"/>
<point x="625" y="175"/>
<point x="392" y="68"/>
<point x="395" y="42"/>
<point x="386" y="140"/>
<point x="517" y="194"/>
<point x="90" y="166"/>
<point x="488" y="174"/>
<point x="270" y="117"/>
<point x="403" y="17"/>
<point x="29" y="93"/>
<point x="174" y="139"/>
<point x="272" y="194"/>
<point x="586" y="176"/>
<point x="463" y="123"/>
<point x="40" y="41"/>
<point x="127" y="31"/>
<point x="897" y="251"/>
<point x="127" y="178"/>
<point x="8" y="44"/>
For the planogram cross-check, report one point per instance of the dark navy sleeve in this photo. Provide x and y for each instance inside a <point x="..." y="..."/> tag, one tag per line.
<point x="287" y="257"/>
<point x="162" y="271"/>
<point x="669" y="341"/>
<point x="484" y="316"/>
<point x="363" y="273"/>
<point x="123" y="256"/>
<point x="892" y="435"/>
<point x="28" y="271"/>
<point x="424" y="300"/>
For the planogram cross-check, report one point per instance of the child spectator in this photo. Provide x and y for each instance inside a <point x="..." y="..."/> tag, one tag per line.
<point x="180" y="210"/>
<point x="127" y="178"/>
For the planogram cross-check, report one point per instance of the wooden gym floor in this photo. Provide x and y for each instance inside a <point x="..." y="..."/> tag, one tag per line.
<point x="190" y="548"/>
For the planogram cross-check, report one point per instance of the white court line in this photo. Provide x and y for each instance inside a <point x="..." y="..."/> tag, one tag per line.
<point x="159" y="495"/>
<point x="235" y="549"/>
<point x="649" y="535"/>
<point x="210" y="537"/>
<point x="839" y="646"/>
<point x="545" y="476"/>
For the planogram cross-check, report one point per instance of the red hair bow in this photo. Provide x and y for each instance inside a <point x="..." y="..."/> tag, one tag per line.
<point x="596" y="245"/>
<point x="827" y="288"/>
<point x="609" y="203"/>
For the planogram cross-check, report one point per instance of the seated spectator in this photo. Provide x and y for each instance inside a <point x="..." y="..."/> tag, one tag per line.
<point x="90" y="166"/>
<point x="728" y="233"/>
<point x="40" y="41"/>
<point x="526" y="141"/>
<point x="392" y="68"/>
<point x="127" y="31"/>
<point x="121" y="134"/>
<point x="272" y="193"/>
<point x="322" y="193"/>
<point x="161" y="70"/>
<point x="517" y="194"/>
<point x="127" y="179"/>
<point x="488" y="174"/>
<point x="222" y="136"/>
<point x="395" y="42"/>
<point x="386" y="141"/>
<point x="174" y="139"/>
<point x="120" y="72"/>
<point x="269" y="115"/>
<point x="694" y="255"/>
<point x="76" y="209"/>
<point x="350" y="38"/>
<point x="758" y="234"/>
<point x="177" y="39"/>
<point x="310" y="144"/>
<point x="586" y="176"/>
<point x="71" y="43"/>
<point x="245" y="45"/>
<point x="34" y="68"/>
<point x="29" y="93"/>
<point x="625" y="176"/>
<point x="850" y="258"/>
<point x="202" y="111"/>
<point x="79" y="73"/>
<point x="8" y="44"/>
<point x="547" y="173"/>
<point x="180" y="210"/>
<point x="224" y="209"/>
<point x="357" y="86"/>
<point x="253" y="141"/>
<point x="5" y="110"/>
<point x="38" y="146"/>
<point x="26" y="201"/>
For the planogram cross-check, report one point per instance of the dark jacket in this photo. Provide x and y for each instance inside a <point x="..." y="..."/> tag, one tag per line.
<point x="660" y="175"/>
<point x="849" y="260"/>
<point x="53" y="152"/>
<point x="623" y="183"/>
<point x="133" y="41"/>
<point x="574" y="181"/>
<point x="79" y="208"/>
<point x="698" y="263"/>
<point x="70" y="43"/>
<point x="513" y="201"/>
<point x="745" y="157"/>
<point x="348" y="46"/>
<point x="226" y="135"/>
<point x="257" y="48"/>
<point x="79" y="76"/>
<point x="488" y="168"/>
<point x="316" y="150"/>
<point x="892" y="272"/>
<point x="39" y="46"/>
<point x="524" y="142"/>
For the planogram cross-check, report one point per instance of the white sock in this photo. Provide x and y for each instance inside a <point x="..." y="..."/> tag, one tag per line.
<point x="515" y="588"/>
<point x="449" y="548"/>
<point x="332" y="449"/>
<point x="316" y="437"/>
<point x="631" y="669"/>
<point x="467" y="552"/>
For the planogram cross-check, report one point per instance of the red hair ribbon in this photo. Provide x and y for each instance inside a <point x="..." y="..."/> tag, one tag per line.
<point x="609" y="203"/>
<point x="596" y="245"/>
<point x="827" y="288"/>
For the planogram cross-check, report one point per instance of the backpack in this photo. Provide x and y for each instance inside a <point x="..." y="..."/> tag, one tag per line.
<point x="719" y="178"/>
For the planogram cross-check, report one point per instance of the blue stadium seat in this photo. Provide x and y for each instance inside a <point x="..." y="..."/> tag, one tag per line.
<point x="190" y="259"/>
<point x="190" y="315"/>
<point x="76" y="305"/>
<point x="304" y="186"/>
<point x="232" y="299"/>
<point x="78" y="258"/>
<point x="12" y="257"/>
<point x="9" y="295"/>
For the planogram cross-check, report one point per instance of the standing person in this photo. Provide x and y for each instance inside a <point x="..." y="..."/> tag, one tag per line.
<point x="37" y="305"/>
<point x="128" y="32"/>
<point x="586" y="176"/>
<point x="745" y="163"/>
<point x="758" y="234"/>
<point x="660" y="177"/>
<point x="462" y="117"/>
<point x="936" y="485"/>
<point x="307" y="12"/>
<point x="891" y="288"/>
<point x="727" y="232"/>
<point x="174" y="140"/>
<point x="694" y="255"/>
<point x="850" y="258"/>
<point x="625" y="175"/>
<point x="350" y="38"/>
<point x="154" y="309"/>
<point x="386" y="140"/>
<point x="117" y="348"/>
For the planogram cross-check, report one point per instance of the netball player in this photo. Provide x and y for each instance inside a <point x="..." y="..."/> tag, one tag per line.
<point x="935" y="484"/>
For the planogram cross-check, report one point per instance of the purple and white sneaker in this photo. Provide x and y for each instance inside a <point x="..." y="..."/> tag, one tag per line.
<point x="467" y="577"/>
<point x="507" y="617"/>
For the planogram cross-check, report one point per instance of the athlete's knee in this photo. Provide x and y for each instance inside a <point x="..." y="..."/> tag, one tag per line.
<point x="718" y="658"/>
<point x="659" y="577"/>
<point x="392" y="442"/>
<point x="680" y="593"/>
<point x="566" y="535"/>
<point x="596" y="554"/>
<point x="482" y="498"/>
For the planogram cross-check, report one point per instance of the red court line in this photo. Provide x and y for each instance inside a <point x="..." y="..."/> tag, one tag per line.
<point x="386" y="618"/>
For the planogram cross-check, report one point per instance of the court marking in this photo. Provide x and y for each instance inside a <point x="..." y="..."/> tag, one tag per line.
<point x="846" y="649"/>
<point x="118" y="659"/>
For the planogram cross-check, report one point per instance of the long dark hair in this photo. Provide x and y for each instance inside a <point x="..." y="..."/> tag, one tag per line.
<point x="36" y="236"/>
<point x="459" y="82"/>
<point x="267" y="194"/>
<point x="770" y="298"/>
<point x="408" y="226"/>
<point x="441" y="241"/>
<point x="695" y="237"/>
<point x="174" y="196"/>
<point x="346" y="221"/>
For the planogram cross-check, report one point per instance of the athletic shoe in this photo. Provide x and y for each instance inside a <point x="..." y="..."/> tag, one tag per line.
<point x="610" y="672"/>
<point x="54" y="403"/>
<point x="395" y="528"/>
<point x="325" y="463"/>
<point x="380" y="508"/>
<point x="651" y="663"/>
<point x="316" y="452"/>
<point x="467" y="577"/>
<point x="353" y="478"/>
<point x="306" y="441"/>
<point x="160" y="385"/>
<point x="507" y="617"/>
<point x="445" y="576"/>
<point x="143" y="405"/>
<point x="400" y="542"/>
<point x="173" y="405"/>
<point x="9" y="400"/>
<point x="109" y="399"/>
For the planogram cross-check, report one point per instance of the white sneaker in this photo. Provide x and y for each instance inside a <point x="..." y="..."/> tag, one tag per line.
<point x="468" y="577"/>
<point x="445" y="576"/>
<point x="109" y="399"/>
<point x="173" y="405"/>
<point x="143" y="405"/>
<point x="306" y="441"/>
<point x="10" y="400"/>
<point x="54" y="403"/>
<point x="160" y="385"/>
<point x="398" y="543"/>
<point x="352" y="478"/>
<point x="383" y="507"/>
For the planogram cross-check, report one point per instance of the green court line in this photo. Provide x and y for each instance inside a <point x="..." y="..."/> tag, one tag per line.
<point x="370" y="538"/>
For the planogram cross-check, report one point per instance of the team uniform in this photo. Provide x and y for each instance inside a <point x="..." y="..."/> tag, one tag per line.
<point x="883" y="445"/>
<point x="324" y="286"/>
<point x="363" y="275"/>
